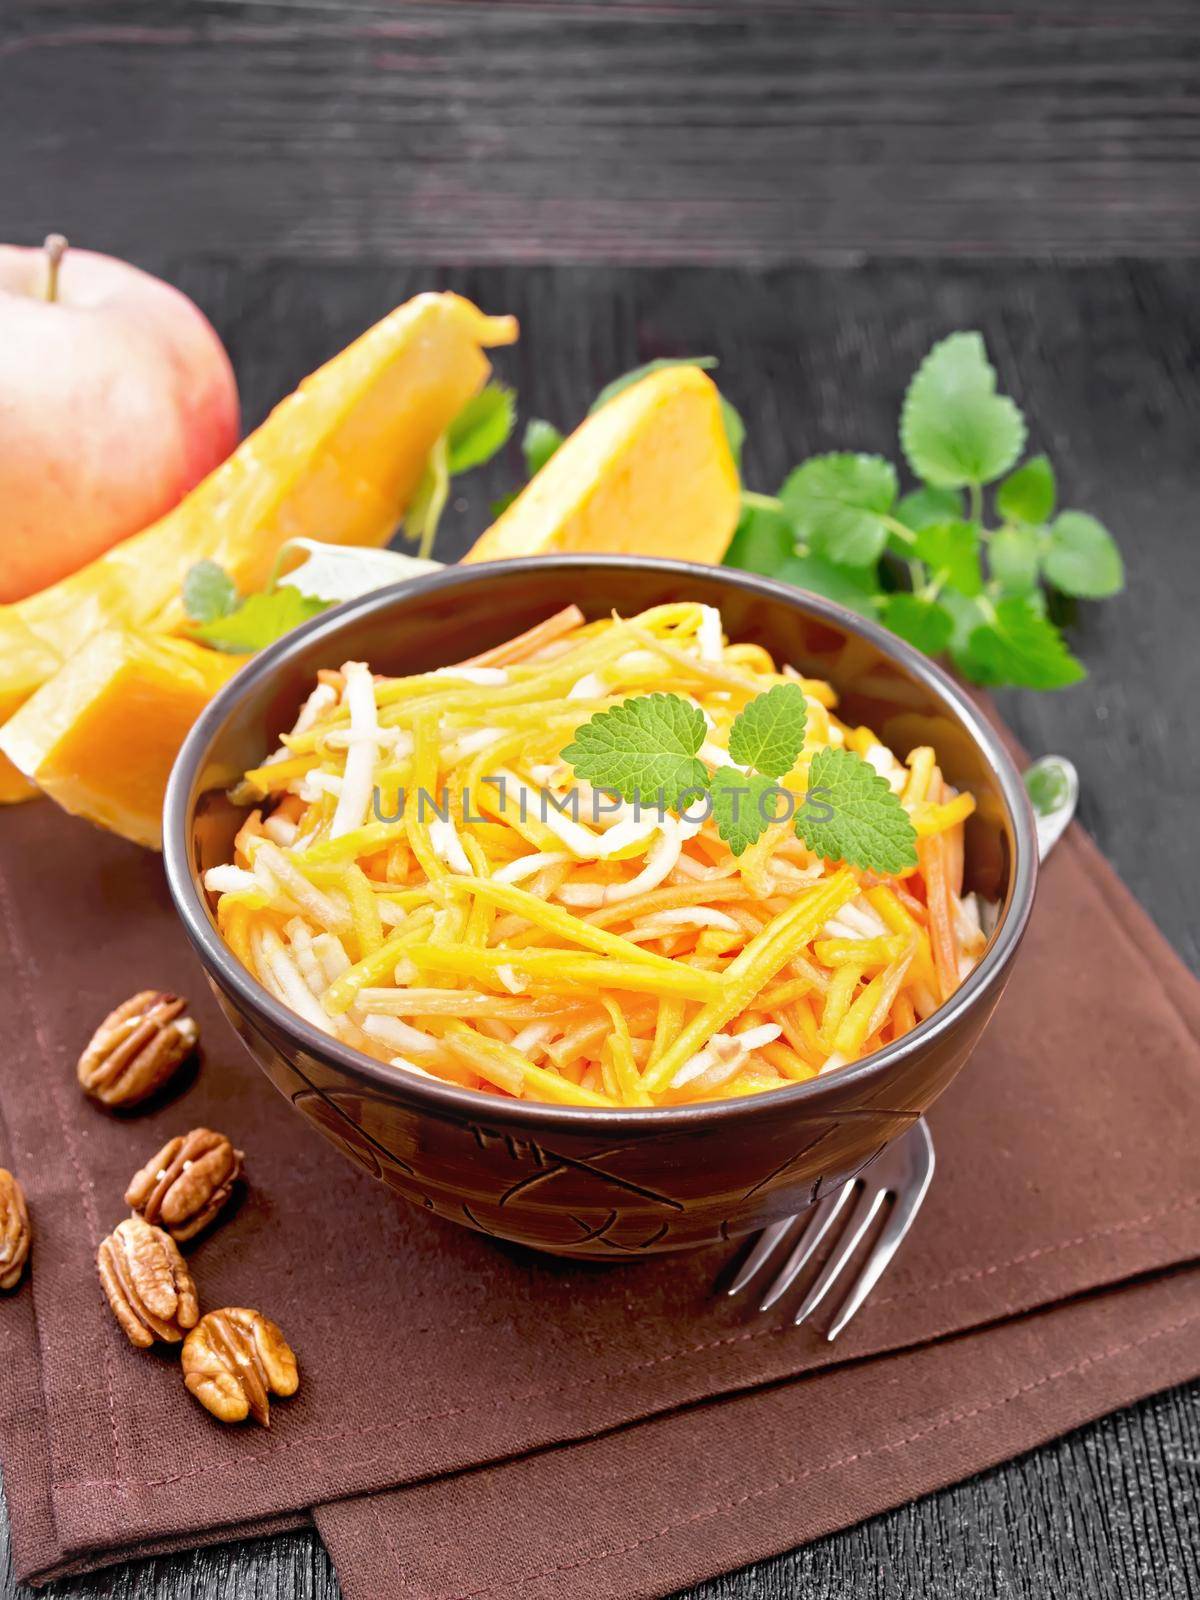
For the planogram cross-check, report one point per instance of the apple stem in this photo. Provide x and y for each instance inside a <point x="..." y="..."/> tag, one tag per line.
<point x="55" y="246"/>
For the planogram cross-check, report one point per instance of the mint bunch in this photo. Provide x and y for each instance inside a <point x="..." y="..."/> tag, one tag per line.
<point x="930" y="564"/>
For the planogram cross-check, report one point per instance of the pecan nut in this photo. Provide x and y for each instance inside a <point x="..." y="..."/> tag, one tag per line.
<point x="137" y="1048"/>
<point x="14" y="1230"/>
<point x="147" y="1283"/>
<point x="186" y="1184"/>
<point x="233" y="1360"/>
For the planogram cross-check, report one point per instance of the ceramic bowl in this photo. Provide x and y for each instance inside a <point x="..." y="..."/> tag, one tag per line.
<point x="572" y="1180"/>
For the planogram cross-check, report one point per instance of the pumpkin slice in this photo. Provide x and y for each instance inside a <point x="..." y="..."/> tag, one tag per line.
<point x="649" y="474"/>
<point x="99" y="737"/>
<point x="337" y="460"/>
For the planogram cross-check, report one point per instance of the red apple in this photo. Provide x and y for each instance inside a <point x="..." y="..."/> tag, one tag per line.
<point x="116" y="398"/>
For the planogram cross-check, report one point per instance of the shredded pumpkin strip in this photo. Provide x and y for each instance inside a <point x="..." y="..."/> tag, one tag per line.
<point x="866" y="1014"/>
<point x="628" y="1085"/>
<point x="860" y="952"/>
<point x="567" y="970"/>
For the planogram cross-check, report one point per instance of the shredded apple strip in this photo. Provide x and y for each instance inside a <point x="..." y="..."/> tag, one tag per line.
<point x="556" y="951"/>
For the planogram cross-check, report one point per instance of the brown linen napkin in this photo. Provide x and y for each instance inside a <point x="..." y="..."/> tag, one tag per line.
<point x="1064" y="1165"/>
<point x="672" y="1501"/>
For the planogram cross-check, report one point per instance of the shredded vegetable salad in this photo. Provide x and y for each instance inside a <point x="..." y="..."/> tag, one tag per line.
<point x="424" y="878"/>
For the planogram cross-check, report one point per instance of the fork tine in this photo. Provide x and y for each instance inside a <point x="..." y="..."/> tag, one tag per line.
<point x="857" y="1223"/>
<point x="906" y="1203"/>
<point x="818" y="1222"/>
<point x="768" y="1240"/>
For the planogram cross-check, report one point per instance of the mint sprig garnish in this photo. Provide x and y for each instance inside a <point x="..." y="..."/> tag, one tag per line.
<point x="647" y="750"/>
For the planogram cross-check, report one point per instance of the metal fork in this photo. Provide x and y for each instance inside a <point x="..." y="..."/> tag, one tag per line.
<point x="903" y="1172"/>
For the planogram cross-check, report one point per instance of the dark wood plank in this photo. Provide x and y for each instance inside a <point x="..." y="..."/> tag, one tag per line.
<point x="1104" y="359"/>
<point x="660" y="131"/>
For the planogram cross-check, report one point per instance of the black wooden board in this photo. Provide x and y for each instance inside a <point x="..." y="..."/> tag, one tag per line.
<point x="630" y="130"/>
<point x="1104" y="360"/>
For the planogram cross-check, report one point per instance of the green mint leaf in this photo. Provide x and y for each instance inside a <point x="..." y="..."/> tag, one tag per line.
<point x="927" y="504"/>
<point x="735" y="431"/>
<point x="951" y="551"/>
<point x="425" y="511"/>
<point x="1027" y="495"/>
<point x="1013" y="558"/>
<point x="850" y="814"/>
<point x="260" y="620"/>
<point x="611" y="390"/>
<point x="768" y="733"/>
<point x="744" y="805"/>
<point x="640" y="747"/>
<point x="762" y="540"/>
<point x="1022" y="648"/>
<point x="954" y="428"/>
<point x="497" y="507"/>
<point x="857" y="588"/>
<point x="480" y="429"/>
<point x="966" y="616"/>
<point x="837" y="503"/>
<point x="924" y="623"/>
<point x="541" y="440"/>
<point x="1082" y="558"/>
<point x="208" y="592"/>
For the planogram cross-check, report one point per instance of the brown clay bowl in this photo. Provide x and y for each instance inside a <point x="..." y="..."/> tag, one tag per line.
<point x="567" y="1179"/>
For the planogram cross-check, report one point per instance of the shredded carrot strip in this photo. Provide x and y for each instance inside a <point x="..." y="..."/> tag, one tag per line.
<point x="903" y="1017"/>
<point x="790" y="1062"/>
<point x="525" y="644"/>
<point x="932" y="856"/>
